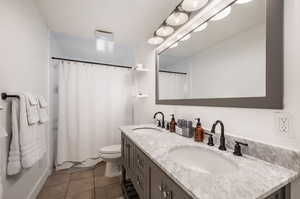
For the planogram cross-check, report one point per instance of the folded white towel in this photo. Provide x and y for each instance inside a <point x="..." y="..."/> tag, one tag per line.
<point x="32" y="109"/>
<point x="2" y="130"/>
<point x="32" y="99"/>
<point x="42" y="101"/>
<point x="43" y="110"/>
<point x="28" y="141"/>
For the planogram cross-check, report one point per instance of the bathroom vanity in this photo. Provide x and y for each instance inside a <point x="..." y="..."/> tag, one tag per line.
<point x="165" y="165"/>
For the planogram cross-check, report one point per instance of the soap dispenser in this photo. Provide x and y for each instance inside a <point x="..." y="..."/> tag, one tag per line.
<point x="173" y="124"/>
<point x="199" y="132"/>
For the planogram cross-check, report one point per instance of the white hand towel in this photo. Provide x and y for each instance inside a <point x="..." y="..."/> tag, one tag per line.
<point x="2" y="132"/>
<point x="32" y="109"/>
<point x="14" y="155"/>
<point x="42" y="101"/>
<point x="27" y="140"/>
<point x="32" y="99"/>
<point x="43" y="110"/>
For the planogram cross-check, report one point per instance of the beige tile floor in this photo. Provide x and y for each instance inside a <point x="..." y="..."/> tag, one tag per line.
<point x="81" y="184"/>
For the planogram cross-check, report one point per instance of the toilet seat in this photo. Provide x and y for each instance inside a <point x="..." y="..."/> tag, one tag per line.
<point x="113" y="149"/>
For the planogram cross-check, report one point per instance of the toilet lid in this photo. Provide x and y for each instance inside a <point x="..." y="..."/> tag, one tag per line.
<point x="111" y="149"/>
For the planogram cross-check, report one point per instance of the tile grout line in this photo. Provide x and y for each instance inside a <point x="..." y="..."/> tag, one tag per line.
<point x="94" y="179"/>
<point x="67" y="190"/>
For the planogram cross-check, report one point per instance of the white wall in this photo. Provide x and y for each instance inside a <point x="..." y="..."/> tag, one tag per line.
<point x="23" y="67"/>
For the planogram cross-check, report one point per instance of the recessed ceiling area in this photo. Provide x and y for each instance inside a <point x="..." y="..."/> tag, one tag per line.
<point x="131" y="21"/>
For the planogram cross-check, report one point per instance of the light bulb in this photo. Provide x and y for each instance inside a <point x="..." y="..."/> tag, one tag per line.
<point x="221" y="15"/>
<point x="177" y="19"/>
<point x="193" y="5"/>
<point x="164" y="31"/>
<point x="155" y="40"/>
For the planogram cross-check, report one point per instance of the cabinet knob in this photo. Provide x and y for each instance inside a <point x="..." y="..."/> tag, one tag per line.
<point x="160" y="188"/>
<point x="166" y="194"/>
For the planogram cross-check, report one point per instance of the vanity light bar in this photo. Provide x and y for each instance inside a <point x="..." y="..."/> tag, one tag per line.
<point x="179" y="16"/>
<point x="198" y="28"/>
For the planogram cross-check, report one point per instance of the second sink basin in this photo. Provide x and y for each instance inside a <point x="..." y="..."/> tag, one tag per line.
<point x="146" y="130"/>
<point x="202" y="160"/>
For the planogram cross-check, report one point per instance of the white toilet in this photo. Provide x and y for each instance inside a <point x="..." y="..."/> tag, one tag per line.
<point x="112" y="156"/>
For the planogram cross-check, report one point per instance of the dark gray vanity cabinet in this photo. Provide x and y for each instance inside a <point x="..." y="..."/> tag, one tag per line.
<point x="150" y="182"/>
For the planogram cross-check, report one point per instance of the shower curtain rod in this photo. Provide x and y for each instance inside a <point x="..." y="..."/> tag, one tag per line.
<point x="88" y="62"/>
<point x="113" y="65"/>
<point x="167" y="71"/>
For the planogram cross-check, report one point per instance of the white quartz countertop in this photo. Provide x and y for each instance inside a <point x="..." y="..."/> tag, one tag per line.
<point x="254" y="178"/>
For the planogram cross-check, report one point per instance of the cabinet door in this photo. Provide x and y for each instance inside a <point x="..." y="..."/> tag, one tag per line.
<point x="156" y="184"/>
<point x="142" y="171"/>
<point x="123" y="154"/>
<point x="129" y="157"/>
<point x="173" y="191"/>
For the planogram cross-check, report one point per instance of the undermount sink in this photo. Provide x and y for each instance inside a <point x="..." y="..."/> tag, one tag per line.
<point x="202" y="160"/>
<point x="146" y="130"/>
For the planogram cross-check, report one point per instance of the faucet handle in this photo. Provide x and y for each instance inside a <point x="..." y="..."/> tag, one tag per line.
<point x="158" y="123"/>
<point x="213" y="128"/>
<point x="237" y="148"/>
<point x="168" y="126"/>
<point x="210" y="139"/>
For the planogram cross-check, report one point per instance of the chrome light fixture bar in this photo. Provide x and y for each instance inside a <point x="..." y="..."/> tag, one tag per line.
<point x="198" y="27"/>
<point x="179" y="16"/>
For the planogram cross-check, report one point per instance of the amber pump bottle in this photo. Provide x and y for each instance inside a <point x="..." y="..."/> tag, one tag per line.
<point x="173" y="124"/>
<point x="199" y="132"/>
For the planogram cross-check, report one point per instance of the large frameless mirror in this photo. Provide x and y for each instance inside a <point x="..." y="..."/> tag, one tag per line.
<point x="234" y="59"/>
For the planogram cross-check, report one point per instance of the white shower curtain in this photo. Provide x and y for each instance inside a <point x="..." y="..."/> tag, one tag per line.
<point x="93" y="101"/>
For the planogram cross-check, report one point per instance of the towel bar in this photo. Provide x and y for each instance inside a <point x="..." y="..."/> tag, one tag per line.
<point x="4" y="96"/>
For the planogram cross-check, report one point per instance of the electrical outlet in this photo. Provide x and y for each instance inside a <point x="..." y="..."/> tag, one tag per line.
<point x="283" y="124"/>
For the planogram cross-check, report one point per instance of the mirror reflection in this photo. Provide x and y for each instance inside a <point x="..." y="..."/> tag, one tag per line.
<point x="223" y="58"/>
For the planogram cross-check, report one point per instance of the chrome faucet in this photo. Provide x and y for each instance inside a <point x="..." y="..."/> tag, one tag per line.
<point x="162" y="117"/>
<point x="222" y="137"/>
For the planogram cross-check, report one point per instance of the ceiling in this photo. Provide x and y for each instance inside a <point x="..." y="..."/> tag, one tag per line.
<point x="131" y="21"/>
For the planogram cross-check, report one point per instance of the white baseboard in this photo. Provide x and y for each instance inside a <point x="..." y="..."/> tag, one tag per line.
<point x="40" y="183"/>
